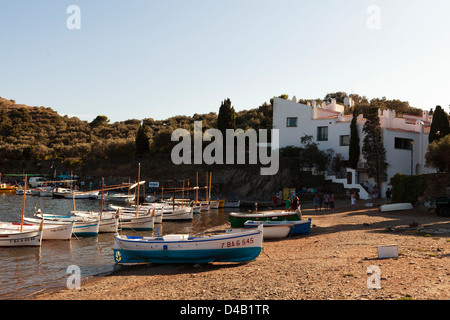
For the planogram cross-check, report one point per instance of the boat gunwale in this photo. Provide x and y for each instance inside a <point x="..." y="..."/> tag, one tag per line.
<point x="190" y="239"/>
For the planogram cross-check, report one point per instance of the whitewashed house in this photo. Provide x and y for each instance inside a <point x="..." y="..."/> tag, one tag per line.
<point x="405" y="139"/>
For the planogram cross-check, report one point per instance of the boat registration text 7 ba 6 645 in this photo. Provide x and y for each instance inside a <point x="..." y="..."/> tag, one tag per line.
<point x="237" y="243"/>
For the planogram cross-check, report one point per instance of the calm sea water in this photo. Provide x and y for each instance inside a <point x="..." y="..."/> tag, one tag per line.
<point x="27" y="271"/>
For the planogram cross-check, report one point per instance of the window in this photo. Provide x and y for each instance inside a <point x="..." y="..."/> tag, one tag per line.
<point x="291" y="122"/>
<point x="344" y="141"/>
<point x="402" y="143"/>
<point x="322" y="133"/>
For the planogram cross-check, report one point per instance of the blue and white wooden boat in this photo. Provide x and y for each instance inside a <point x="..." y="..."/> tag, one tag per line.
<point x="272" y="229"/>
<point x="300" y="227"/>
<point x="82" y="227"/>
<point x="181" y="248"/>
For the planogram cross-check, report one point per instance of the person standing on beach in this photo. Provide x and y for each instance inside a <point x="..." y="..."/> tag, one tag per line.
<point x="326" y="200"/>
<point x="353" y="200"/>
<point x="320" y="201"/>
<point x="295" y="203"/>
<point x="316" y="201"/>
<point x="388" y="195"/>
<point x="288" y="204"/>
<point x="332" y="201"/>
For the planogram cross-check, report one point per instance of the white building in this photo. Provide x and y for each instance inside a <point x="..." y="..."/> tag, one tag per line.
<point x="405" y="139"/>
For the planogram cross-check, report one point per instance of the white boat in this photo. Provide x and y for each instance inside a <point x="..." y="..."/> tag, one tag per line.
<point x="61" y="231"/>
<point x="46" y="192"/>
<point x="109" y="222"/>
<point x="144" y="210"/>
<point x="396" y="207"/>
<point x="271" y="230"/>
<point x="169" y="212"/>
<point x="11" y="238"/>
<point x="139" y="223"/>
<point x="80" y="195"/>
<point x="182" y="248"/>
<point x="232" y="204"/>
<point x="82" y="227"/>
<point x="214" y="204"/>
<point x="19" y="237"/>
<point x="35" y="192"/>
<point x="204" y="206"/>
<point x="61" y="192"/>
<point x="123" y="198"/>
<point x="177" y="214"/>
<point x="237" y="219"/>
<point x="19" y="191"/>
<point x="196" y="208"/>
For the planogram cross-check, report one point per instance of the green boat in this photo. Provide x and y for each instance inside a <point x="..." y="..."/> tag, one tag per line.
<point x="237" y="219"/>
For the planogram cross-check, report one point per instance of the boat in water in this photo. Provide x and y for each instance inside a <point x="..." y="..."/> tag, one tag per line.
<point x="82" y="227"/>
<point x="232" y="203"/>
<point x="49" y="232"/>
<point x="14" y="238"/>
<point x="5" y="188"/>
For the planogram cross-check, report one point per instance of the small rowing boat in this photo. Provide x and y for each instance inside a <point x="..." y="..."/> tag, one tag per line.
<point x="182" y="248"/>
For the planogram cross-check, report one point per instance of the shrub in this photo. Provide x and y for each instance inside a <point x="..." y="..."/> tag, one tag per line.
<point x="407" y="188"/>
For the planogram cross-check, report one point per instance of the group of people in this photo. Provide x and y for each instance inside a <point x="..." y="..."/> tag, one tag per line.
<point x="327" y="200"/>
<point x="292" y="202"/>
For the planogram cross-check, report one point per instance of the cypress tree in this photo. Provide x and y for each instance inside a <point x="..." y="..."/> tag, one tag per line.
<point x="373" y="149"/>
<point x="439" y="125"/>
<point x="142" y="143"/>
<point x="226" y="118"/>
<point x="354" y="149"/>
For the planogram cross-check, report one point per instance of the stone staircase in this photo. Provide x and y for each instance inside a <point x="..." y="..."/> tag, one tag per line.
<point x="363" y="194"/>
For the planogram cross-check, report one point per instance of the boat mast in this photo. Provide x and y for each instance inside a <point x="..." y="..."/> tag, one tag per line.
<point x="101" y="202"/>
<point x="196" y="191"/>
<point x="23" y="203"/>
<point x="209" y="196"/>
<point x="137" y="192"/>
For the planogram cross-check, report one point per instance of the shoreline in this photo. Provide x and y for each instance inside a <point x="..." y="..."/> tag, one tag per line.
<point x="328" y="264"/>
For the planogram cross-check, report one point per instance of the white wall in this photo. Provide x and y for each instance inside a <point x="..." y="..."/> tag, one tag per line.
<point x="284" y="109"/>
<point x="399" y="160"/>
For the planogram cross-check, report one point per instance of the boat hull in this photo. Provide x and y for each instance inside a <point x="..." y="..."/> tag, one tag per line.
<point x="49" y="232"/>
<point x="237" y="219"/>
<point x="140" y="223"/>
<point x="20" y="239"/>
<point x="182" y="214"/>
<point x="271" y="231"/>
<point x="396" y="207"/>
<point x="88" y="228"/>
<point x="232" y="204"/>
<point x="242" y="247"/>
<point x="214" y="204"/>
<point x="108" y="222"/>
<point x="274" y="229"/>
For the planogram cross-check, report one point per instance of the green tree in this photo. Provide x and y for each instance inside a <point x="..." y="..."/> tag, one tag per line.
<point x="439" y="125"/>
<point x="100" y="121"/>
<point x="354" y="149"/>
<point x="142" y="143"/>
<point x="438" y="155"/>
<point x="373" y="149"/>
<point x="311" y="156"/>
<point x="227" y="116"/>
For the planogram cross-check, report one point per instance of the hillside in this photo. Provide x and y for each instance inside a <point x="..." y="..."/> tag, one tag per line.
<point x="39" y="140"/>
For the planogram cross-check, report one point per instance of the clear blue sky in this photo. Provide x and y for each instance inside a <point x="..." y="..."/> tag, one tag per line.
<point x="160" y="58"/>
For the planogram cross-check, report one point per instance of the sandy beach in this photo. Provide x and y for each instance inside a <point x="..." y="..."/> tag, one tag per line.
<point x="329" y="264"/>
